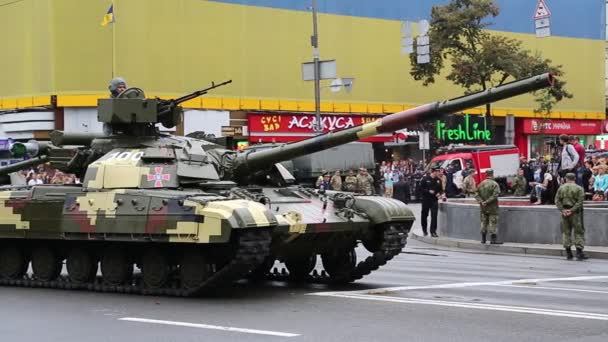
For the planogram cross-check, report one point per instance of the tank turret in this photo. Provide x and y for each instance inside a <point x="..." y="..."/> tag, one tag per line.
<point x="244" y="163"/>
<point x="131" y="113"/>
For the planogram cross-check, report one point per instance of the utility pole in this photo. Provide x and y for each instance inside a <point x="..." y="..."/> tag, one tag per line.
<point x="314" y="41"/>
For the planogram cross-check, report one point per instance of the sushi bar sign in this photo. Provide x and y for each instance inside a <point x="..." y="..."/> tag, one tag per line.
<point x="462" y="128"/>
<point x="273" y="127"/>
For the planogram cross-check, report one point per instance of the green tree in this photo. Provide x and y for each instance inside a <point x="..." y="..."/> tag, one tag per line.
<point x="479" y="59"/>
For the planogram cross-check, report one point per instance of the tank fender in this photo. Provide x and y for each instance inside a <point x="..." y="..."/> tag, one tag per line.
<point x="382" y="209"/>
<point x="218" y="218"/>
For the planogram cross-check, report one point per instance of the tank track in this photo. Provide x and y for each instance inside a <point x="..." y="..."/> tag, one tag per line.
<point x="253" y="248"/>
<point x="394" y="240"/>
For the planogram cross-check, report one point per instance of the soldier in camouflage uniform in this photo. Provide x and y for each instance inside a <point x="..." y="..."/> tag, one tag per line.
<point x="350" y="182"/>
<point x="487" y="196"/>
<point x="519" y="184"/>
<point x="569" y="200"/>
<point x="365" y="182"/>
<point x="469" y="187"/>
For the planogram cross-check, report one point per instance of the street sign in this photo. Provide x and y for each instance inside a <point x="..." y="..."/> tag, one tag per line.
<point x="230" y="131"/>
<point x="540" y="23"/>
<point x="541" y="20"/>
<point x="542" y="11"/>
<point x="327" y="70"/>
<point x="424" y="143"/>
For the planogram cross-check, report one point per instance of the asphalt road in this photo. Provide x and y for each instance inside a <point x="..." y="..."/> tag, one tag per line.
<point x="425" y="294"/>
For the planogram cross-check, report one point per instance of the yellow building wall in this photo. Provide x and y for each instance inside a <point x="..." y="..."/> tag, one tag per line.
<point x="170" y="47"/>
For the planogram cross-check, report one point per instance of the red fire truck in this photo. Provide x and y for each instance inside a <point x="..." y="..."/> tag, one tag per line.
<point x="503" y="159"/>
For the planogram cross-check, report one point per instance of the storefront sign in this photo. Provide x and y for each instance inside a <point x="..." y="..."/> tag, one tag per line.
<point x="605" y="126"/>
<point x="462" y="128"/>
<point x="554" y="127"/>
<point x="292" y="127"/>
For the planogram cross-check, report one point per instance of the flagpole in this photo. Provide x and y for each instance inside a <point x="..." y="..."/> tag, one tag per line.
<point x="113" y="38"/>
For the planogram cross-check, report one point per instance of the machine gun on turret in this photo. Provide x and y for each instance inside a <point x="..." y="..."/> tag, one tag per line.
<point x="132" y="114"/>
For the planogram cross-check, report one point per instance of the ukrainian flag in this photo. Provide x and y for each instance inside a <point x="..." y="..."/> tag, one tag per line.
<point x="109" y="17"/>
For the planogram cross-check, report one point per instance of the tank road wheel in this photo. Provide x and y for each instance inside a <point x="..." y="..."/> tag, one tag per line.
<point x="13" y="263"/>
<point x="82" y="266"/>
<point x="300" y="267"/>
<point x="46" y="264"/>
<point x="116" y="267"/>
<point x="194" y="270"/>
<point x="340" y="263"/>
<point x="155" y="268"/>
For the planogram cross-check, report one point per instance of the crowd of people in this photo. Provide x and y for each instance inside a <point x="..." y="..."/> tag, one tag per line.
<point x="44" y="174"/>
<point x="542" y="178"/>
<point x="390" y="178"/>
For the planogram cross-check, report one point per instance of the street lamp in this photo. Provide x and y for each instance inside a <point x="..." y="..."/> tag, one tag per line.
<point x="318" y="70"/>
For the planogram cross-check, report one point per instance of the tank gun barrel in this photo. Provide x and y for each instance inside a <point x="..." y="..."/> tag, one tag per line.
<point x="61" y="138"/>
<point x="390" y="123"/>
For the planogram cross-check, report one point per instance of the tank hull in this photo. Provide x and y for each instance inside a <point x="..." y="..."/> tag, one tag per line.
<point x="169" y="235"/>
<point x="329" y="226"/>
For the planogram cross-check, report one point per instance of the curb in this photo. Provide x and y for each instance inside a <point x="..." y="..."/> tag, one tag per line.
<point x="506" y="248"/>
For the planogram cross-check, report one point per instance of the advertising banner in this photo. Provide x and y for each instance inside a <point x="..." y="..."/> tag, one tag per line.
<point x="559" y="126"/>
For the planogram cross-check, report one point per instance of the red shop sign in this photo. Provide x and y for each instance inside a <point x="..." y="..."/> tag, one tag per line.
<point x="558" y="126"/>
<point x="605" y="126"/>
<point x="273" y="127"/>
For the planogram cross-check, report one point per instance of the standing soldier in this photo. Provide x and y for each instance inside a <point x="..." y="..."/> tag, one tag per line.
<point x="350" y="182"/>
<point x="431" y="190"/>
<point x="336" y="181"/>
<point x="569" y="200"/>
<point x="469" y="187"/>
<point x="487" y="196"/>
<point x="520" y="184"/>
<point x="365" y="182"/>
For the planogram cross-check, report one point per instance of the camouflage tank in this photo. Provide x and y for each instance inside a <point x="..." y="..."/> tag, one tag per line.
<point x="192" y="215"/>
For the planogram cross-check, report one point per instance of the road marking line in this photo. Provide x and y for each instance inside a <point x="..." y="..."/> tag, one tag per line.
<point x="458" y="285"/>
<point x="523" y="286"/>
<point x="519" y="309"/>
<point x="207" y="326"/>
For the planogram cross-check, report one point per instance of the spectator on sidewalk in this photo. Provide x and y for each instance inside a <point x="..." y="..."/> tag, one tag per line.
<point x="469" y="186"/>
<point x="350" y="182"/>
<point x="401" y="190"/>
<point x="519" y="185"/>
<point x="569" y="201"/>
<point x="542" y="187"/>
<point x="365" y="182"/>
<point x="336" y="181"/>
<point x="600" y="184"/>
<point x="325" y="184"/>
<point x="569" y="160"/>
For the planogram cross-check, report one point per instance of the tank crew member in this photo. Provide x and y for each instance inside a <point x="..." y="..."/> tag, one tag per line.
<point x="350" y="182"/>
<point x="487" y="196"/>
<point x="520" y="184"/>
<point x="469" y="186"/>
<point x="365" y="182"/>
<point x="117" y="86"/>
<point x="336" y="181"/>
<point x="431" y="189"/>
<point x="569" y="200"/>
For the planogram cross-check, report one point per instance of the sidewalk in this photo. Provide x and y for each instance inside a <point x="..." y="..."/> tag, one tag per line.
<point x="508" y="247"/>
